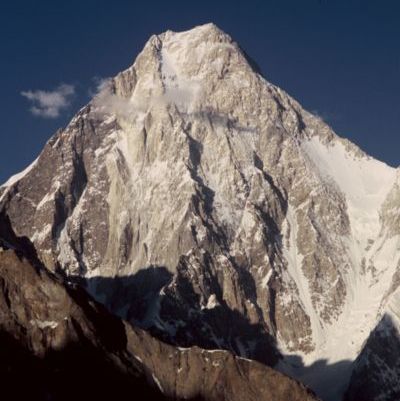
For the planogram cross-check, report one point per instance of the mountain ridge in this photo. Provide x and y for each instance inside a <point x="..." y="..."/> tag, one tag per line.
<point x="265" y="219"/>
<point x="60" y="343"/>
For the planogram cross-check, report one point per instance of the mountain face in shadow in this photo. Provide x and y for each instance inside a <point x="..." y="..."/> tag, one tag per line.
<point x="330" y="380"/>
<point x="179" y="320"/>
<point x="137" y="294"/>
<point x="377" y="369"/>
<point x="75" y="371"/>
<point x="57" y="343"/>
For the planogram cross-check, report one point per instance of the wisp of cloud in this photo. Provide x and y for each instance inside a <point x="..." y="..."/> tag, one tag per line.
<point x="49" y="104"/>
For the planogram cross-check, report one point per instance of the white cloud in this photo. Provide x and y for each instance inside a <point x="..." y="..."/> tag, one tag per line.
<point x="183" y="95"/>
<point x="100" y="84"/>
<point x="326" y="116"/>
<point x="49" y="104"/>
<point x="106" y="101"/>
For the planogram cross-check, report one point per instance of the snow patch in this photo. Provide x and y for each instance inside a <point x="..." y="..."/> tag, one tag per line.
<point x="17" y="177"/>
<point x="44" y="324"/>
<point x="212" y="302"/>
<point x="157" y="382"/>
<point x="361" y="312"/>
<point x="40" y="236"/>
<point x="265" y="280"/>
<point x="178" y="89"/>
<point x="364" y="181"/>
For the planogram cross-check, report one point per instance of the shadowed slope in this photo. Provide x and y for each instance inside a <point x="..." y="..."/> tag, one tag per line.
<point x="57" y="343"/>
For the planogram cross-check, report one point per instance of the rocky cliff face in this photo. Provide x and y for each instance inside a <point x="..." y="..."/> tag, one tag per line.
<point x="203" y="203"/>
<point x="57" y="343"/>
<point x="377" y="369"/>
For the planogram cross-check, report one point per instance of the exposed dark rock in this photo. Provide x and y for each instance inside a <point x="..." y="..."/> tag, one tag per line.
<point x="56" y="343"/>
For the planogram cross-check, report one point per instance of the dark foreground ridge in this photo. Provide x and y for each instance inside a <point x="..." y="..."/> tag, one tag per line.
<point x="56" y="343"/>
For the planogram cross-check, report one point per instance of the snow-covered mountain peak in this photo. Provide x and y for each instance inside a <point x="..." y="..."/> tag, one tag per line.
<point x="199" y="71"/>
<point x="209" y="33"/>
<point x="192" y="193"/>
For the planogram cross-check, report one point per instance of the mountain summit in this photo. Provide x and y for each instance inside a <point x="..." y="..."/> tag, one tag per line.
<point x="199" y="201"/>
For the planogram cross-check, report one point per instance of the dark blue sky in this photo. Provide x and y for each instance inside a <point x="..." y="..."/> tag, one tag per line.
<point x="340" y="58"/>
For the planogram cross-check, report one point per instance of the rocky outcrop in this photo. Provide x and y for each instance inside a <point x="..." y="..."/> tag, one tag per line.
<point x="194" y="373"/>
<point x="266" y="233"/>
<point x="377" y="369"/>
<point x="57" y="343"/>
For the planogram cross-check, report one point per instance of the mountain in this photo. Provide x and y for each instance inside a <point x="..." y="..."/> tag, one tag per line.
<point x="57" y="343"/>
<point x="202" y="203"/>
